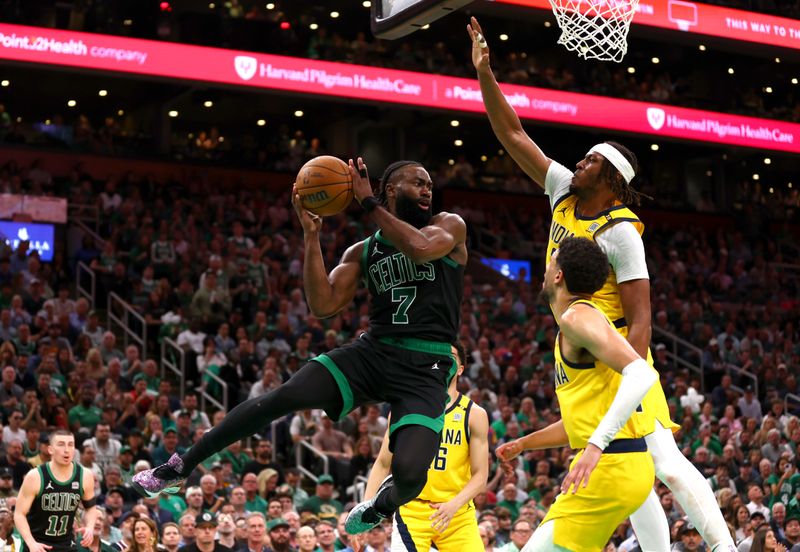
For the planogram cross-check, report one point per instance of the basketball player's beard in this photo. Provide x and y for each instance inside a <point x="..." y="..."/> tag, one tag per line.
<point x="544" y="298"/>
<point x="408" y="211"/>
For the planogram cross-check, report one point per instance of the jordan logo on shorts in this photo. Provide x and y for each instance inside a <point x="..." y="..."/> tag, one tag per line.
<point x="375" y="250"/>
<point x="435" y="365"/>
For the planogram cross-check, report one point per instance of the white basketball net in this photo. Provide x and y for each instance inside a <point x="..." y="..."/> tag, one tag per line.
<point x="595" y="29"/>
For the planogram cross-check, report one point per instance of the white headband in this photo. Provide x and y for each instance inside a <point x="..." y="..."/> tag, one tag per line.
<point x="614" y="157"/>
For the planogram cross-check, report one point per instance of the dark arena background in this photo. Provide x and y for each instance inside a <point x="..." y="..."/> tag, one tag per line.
<point x="146" y="144"/>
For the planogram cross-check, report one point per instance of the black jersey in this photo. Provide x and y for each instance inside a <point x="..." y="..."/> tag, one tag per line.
<point x="52" y="513"/>
<point x="422" y="301"/>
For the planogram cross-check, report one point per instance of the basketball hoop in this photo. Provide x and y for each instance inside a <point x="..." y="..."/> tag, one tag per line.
<point x="595" y="29"/>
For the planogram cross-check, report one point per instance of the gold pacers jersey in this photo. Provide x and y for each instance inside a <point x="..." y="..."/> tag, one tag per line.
<point x="567" y="223"/>
<point x="450" y="470"/>
<point x="585" y="392"/>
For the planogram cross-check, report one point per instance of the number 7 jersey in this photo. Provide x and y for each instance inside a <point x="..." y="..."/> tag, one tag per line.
<point x="422" y="301"/>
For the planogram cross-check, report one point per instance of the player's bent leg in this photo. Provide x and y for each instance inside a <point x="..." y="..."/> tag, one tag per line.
<point x="542" y="539"/>
<point x="414" y="449"/>
<point x="689" y="488"/>
<point x="312" y="386"/>
<point x="651" y="526"/>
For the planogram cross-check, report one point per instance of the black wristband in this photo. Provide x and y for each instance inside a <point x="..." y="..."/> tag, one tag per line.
<point x="369" y="203"/>
<point x="89" y="503"/>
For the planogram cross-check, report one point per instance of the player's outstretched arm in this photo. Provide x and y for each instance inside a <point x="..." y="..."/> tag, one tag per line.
<point x="446" y="232"/>
<point x="380" y="469"/>
<point x="479" y="469"/>
<point x="552" y="436"/>
<point x="91" y="512"/>
<point x="504" y="120"/>
<point x="326" y="294"/>
<point x="27" y="494"/>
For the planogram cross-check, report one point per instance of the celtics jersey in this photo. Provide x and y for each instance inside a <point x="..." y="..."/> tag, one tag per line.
<point x="451" y="469"/>
<point x="566" y="222"/>
<point x="52" y="513"/>
<point x="585" y="391"/>
<point x="411" y="300"/>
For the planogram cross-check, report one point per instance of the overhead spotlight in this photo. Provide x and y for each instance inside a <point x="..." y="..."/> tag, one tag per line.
<point x="426" y="26"/>
<point x="756" y="176"/>
<point x="221" y="138"/>
<point x="702" y="48"/>
<point x="655" y="60"/>
<point x="501" y="152"/>
<point x="120" y="112"/>
<point x="709" y="173"/>
<point x="102" y="93"/>
<point x="768" y="89"/>
<point x="503" y="37"/>
<point x="484" y="158"/>
<point x="771" y="190"/>
<point x="654" y="147"/>
<point x="72" y="103"/>
<point x="794" y="81"/>
<point x="313" y="26"/>
<point x="47" y="122"/>
<point x="631" y="70"/>
<point x="790" y="185"/>
<point x="451" y="162"/>
<point x="212" y="6"/>
<point x="458" y="142"/>
<point x="366" y="4"/>
<point x="548" y="24"/>
<point x="298" y="113"/>
<point x="5" y="82"/>
<point x="777" y="60"/>
<point x="270" y="6"/>
<point x="767" y="161"/>
<point x="454" y="123"/>
<point x="730" y="71"/>
<point x="172" y="113"/>
<point x="334" y="14"/>
<point x="128" y="22"/>
<point x="208" y="103"/>
<point x="261" y="122"/>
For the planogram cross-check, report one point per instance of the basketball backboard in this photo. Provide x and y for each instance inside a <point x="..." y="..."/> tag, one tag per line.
<point x="397" y="18"/>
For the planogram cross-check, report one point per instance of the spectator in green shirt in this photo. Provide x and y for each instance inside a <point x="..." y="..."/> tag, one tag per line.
<point x="499" y="426"/>
<point x="322" y="504"/>
<point x="510" y="501"/>
<point x="254" y="503"/>
<point x="785" y="483"/>
<point x="85" y="415"/>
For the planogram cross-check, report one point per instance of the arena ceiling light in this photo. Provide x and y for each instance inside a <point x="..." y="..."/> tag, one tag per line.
<point x="655" y="60"/>
<point x="173" y="113"/>
<point x="484" y="158"/>
<point x="366" y="4"/>
<point x="102" y="93"/>
<point x="458" y="143"/>
<point x="777" y="60"/>
<point x="768" y="89"/>
<point x="298" y="113"/>
<point x="756" y="176"/>
<point x="6" y="82"/>
<point x="270" y="6"/>
<point x="334" y="14"/>
<point x="631" y="70"/>
<point x="454" y="123"/>
<point x="794" y="81"/>
<point x="313" y="26"/>
<point x="547" y="24"/>
<point x="654" y="147"/>
<point x="120" y="112"/>
<point x="503" y="37"/>
<point x="72" y="103"/>
<point x="702" y="47"/>
<point x="767" y="161"/>
<point x="261" y="122"/>
<point x="730" y="71"/>
<point x="208" y="103"/>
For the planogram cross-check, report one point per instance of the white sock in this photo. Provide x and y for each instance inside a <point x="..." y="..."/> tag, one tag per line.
<point x="651" y="526"/>
<point x="689" y="488"/>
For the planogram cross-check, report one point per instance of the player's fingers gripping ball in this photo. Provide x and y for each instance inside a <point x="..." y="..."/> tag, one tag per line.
<point x="325" y="185"/>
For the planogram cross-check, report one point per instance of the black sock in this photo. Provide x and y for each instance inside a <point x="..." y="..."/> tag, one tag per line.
<point x="311" y="387"/>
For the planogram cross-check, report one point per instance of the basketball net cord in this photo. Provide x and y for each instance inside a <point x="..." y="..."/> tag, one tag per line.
<point x="595" y="29"/>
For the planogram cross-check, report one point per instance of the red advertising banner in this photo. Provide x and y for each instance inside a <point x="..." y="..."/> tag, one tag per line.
<point x="694" y="17"/>
<point x="264" y="71"/>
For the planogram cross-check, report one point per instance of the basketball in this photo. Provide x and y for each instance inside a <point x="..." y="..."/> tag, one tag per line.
<point x="325" y="185"/>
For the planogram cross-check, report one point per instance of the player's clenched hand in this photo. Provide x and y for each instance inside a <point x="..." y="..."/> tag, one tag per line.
<point x="508" y="451"/>
<point x="578" y="476"/>
<point x="361" y="186"/>
<point x="88" y="536"/>
<point x="480" y="49"/>
<point x="443" y="515"/>
<point x="311" y="223"/>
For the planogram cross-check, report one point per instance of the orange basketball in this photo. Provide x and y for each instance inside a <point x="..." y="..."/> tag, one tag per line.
<point x="325" y="185"/>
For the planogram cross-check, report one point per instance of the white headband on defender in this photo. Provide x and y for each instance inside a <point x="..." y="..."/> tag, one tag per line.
<point x="614" y="157"/>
